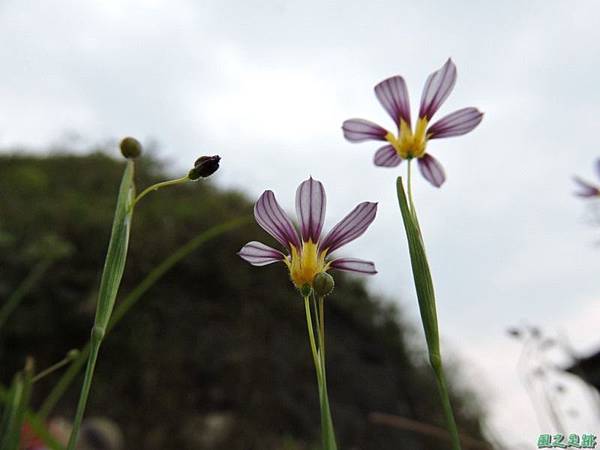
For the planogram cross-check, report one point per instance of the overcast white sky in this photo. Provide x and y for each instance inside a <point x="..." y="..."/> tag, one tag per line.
<point x="267" y="84"/>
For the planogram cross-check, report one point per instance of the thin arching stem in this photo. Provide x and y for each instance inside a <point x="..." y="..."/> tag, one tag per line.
<point x="160" y="185"/>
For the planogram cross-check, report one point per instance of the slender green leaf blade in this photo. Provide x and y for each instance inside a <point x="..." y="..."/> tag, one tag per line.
<point x="37" y="425"/>
<point x="327" y="431"/>
<point x="112" y="273"/>
<point x="114" y="264"/>
<point x="427" y="308"/>
<point x="421" y="272"/>
<point x="9" y="418"/>
<point x="16" y="408"/>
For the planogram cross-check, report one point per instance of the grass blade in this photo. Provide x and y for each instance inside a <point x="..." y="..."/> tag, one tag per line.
<point x="112" y="273"/>
<point x="19" y="294"/>
<point x="427" y="308"/>
<point x="16" y="408"/>
<point x="34" y="421"/>
<point x="114" y="264"/>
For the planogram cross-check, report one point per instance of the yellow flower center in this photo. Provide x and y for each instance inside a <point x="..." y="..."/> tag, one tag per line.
<point x="305" y="263"/>
<point x="408" y="144"/>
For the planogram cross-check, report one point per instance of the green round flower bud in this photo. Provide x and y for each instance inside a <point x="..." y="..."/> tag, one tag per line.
<point x="131" y="147"/>
<point x="323" y="284"/>
<point x="204" y="167"/>
<point x="306" y="290"/>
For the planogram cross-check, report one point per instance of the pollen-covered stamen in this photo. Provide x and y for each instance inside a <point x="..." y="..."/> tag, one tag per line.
<point x="410" y="144"/>
<point x="305" y="263"/>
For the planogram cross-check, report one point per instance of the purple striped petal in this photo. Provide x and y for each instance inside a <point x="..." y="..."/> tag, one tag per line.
<point x="273" y="219"/>
<point x="359" y="130"/>
<point x="350" y="227"/>
<point x="310" y="207"/>
<point x="386" y="156"/>
<point x="437" y="88"/>
<point x="393" y="96"/>
<point x="354" y="265"/>
<point x="455" y="124"/>
<point x="259" y="254"/>
<point x="432" y="170"/>
<point x="585" y="189"/>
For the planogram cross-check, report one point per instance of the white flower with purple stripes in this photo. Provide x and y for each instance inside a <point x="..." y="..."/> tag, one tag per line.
<point x="411" y="143"/>
<point x="308" y="251"/>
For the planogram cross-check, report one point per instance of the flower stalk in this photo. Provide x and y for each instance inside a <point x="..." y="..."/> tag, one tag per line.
<point x="308" y="260"/>
<point x="204" y="167"/>
<point x="71" y="356"/>
<point x="408" y="143"/>
<point x="426" y="299"/>
<point x="317" y="347"/>
<point x="162" y="184"/>
<point x="114" y="264"/>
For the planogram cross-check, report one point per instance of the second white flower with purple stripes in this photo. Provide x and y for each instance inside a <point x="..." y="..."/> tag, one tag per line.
<point x="308" y="252"/>
<point x="409" y="142"/>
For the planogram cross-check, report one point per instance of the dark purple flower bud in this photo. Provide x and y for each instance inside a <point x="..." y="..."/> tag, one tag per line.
<point x="204" y="167"/>
<point x="131" y="148"/>
<point x="323" y="284"/>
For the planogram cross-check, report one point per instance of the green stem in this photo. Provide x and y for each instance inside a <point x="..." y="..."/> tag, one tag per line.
<point x="411" y="202"/>
<point x="322" y="327"/>
<point x="66" y="360"/>
<point x="96" y="341"/>
<point x="19" y="294"/>
<point x="327" y="430"/>
<point x="409" y="183"/>
<point x="160" y="185"/>
<point x="63" y="383"/>
<point x="311" y="337"/>
<point x="319" y="339"/>
<point x="326" y="420"/>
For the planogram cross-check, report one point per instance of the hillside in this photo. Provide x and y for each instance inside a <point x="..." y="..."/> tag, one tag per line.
<point x="217" y="349"/>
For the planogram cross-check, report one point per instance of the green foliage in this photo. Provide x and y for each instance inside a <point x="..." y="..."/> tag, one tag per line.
<point x="426" y="298"/>
<point x="110" y="282"/>
<point x="17" y="400"/>
<point x="215" y="355"/>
